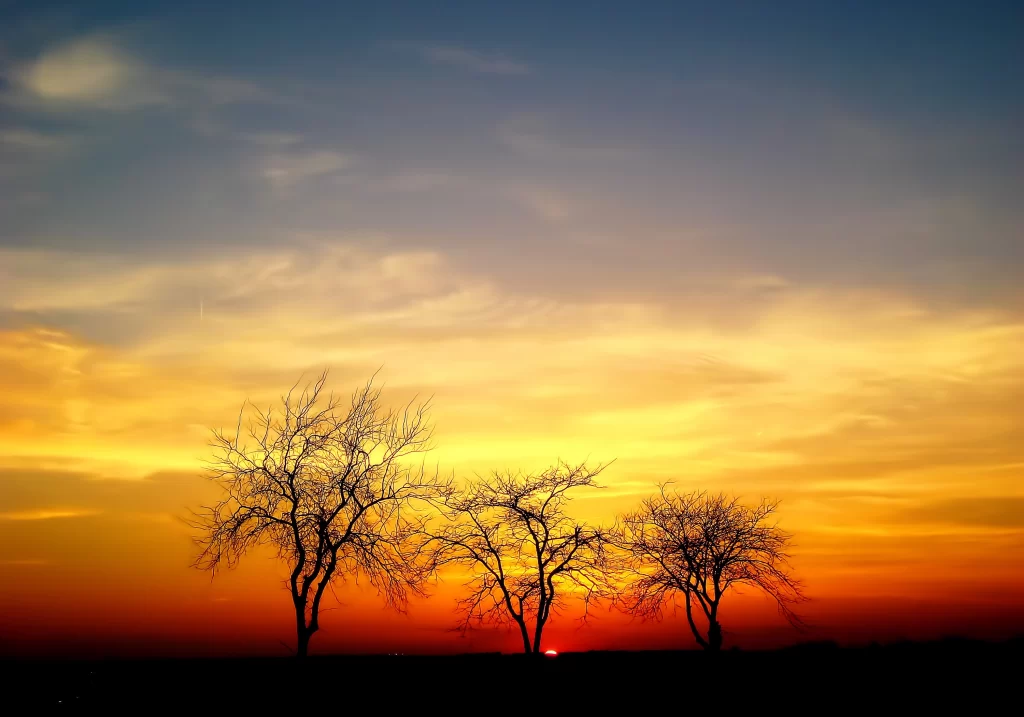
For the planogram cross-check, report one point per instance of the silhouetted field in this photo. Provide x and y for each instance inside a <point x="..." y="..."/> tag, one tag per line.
<point x="819" y="677"/>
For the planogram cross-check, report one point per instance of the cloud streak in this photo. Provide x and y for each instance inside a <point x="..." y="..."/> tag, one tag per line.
<point x="1005" y="512"/>
<point x="271" y="139"/>
<point x="472" y="61"/>
<point x="46" y="514"/>
<point x="530" y="136"/>
<point x="286" y="170"/>
<point x="19" y="139"/>
<point x="544" y="203"/>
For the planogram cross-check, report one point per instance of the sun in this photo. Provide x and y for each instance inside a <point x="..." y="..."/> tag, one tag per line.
<point x="551" y="653"/>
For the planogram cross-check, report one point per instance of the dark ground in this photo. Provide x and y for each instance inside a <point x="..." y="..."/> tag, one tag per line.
<point x="816" y="678"/>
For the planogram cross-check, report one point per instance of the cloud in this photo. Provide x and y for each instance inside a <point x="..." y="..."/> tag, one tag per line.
<point x="993" y="512"/>
<point x="218" y="90"/>
<point x="891" y="399"/>
<point x="97" y="72"/>
<point x="413" y="181"/>
<point x="40" y="281"/>
<point x="760" y="282"/>
<point x="472" y="61"/>
<point x="271" y="139"/>
<point x="284" y="170"/>
<point x="90" y="71"/>
<point x="528" y="135"/>
<point x="19" y="139"/>
<point x="80" y="280"/>
<point x="45" y="514"/>
<point x="545" y="203"/>
<point x="26" y="154"/>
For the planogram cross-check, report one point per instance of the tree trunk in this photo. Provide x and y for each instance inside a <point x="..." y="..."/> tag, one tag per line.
<point x="526" y="637"/>
<point x="302" y="634"/>
<point x="536" y="636"/>
<point x="302" y="631"/>
<point x="714" y="636"/>
<point x="303" y="645"/>
<point x="693" y="626"/>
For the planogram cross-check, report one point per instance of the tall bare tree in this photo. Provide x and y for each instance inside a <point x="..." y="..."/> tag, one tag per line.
<point x="328" y="487"/>
<point x="697" y="547"/>
<point x="526" y="555"/>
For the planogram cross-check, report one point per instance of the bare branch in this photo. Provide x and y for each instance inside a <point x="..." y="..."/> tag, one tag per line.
<point x="331" y="489"/>
<point x="694" y="548"/>
<point x="525" y="554"/>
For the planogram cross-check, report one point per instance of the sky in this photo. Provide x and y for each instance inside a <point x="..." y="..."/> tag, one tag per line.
<point x="772" y="249"/>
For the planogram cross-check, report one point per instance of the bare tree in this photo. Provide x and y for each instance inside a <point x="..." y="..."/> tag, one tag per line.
<point x="698" y="546"/>
<point x="525" y="554"/>
<point x="326" y="485"/>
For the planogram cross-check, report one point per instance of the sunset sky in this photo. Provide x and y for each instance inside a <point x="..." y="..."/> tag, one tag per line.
<point x="765" y="248"/>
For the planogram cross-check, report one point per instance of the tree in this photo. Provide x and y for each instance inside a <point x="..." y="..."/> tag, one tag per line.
<point x="525" y="554"/>
<point x="700" y="546"/>
<point x="327" y="487"/>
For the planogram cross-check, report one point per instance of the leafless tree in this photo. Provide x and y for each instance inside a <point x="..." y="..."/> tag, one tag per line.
<point x="526" y="555"/>
<point x="697" y="547"/>
<point x="328" y="487"/>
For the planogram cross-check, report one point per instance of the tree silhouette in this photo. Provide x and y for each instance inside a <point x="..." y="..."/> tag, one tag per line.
<point x="525" y="554"/>
<point x="699" y="546"/>
<point x="327" y="487"/>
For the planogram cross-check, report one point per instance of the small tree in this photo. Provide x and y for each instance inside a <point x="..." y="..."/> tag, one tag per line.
<point x="326" y="486"/>
<point x="699" y="546"/>
<point x="525" y="554"/>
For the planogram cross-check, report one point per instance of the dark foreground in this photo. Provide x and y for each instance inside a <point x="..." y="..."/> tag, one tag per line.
<point x="810" y="678"/>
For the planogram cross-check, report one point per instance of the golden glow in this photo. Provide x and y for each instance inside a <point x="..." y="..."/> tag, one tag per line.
<point x="890" y="429"/>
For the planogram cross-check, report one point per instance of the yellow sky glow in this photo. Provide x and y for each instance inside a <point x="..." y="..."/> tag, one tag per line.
<point x="889" y="430"/>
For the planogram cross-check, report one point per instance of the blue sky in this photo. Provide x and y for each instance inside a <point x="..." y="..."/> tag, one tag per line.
<point x="855" y="143"/>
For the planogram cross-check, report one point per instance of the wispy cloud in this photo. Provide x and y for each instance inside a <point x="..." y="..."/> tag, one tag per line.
<point x="285" y="170"/>
<point x="413" y="181"/>
<point x="46" y="514"/>
<point x="26" y="153"/>
<point x="530" y="136"/>
<point x="997" y="512"/>
<point x="472" y="61"/>
<point x="84" y="283"/>
<point x="543" y="202"/>
<point x="271" y="139"/>
<point x="760" y="282"/>
<point x="20" y="139"/>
